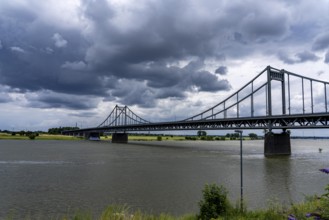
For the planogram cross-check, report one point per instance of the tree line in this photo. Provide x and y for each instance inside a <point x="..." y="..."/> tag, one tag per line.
<point x="59" y="130"/>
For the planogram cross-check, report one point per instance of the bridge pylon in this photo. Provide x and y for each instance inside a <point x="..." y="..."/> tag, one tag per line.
<point x="276" y="143"/>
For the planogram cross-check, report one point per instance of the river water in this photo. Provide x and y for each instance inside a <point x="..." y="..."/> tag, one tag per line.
<point x="54" y="178"/>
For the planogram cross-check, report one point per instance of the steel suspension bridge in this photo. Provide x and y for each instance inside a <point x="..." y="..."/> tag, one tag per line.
<point x="254" y="106"/>
<point x="274" y="99"/>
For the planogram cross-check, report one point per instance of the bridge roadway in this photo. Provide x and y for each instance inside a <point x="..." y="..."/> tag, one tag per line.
<point x="296" y="121"/>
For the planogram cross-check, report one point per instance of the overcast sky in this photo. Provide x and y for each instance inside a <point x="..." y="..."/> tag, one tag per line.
<point x="70" y="62"/>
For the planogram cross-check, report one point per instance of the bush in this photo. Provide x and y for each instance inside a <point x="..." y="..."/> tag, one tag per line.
<point x="214" y="202"/>
<point x="190" y="138"/>
<point x="209" y="138"/>
<point x="159" y="138"/>
<point x="32" y="136"/>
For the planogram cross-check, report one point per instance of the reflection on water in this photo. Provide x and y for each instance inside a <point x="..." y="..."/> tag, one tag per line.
<point x="58" y="177"/>
<point x="277" y="172"/>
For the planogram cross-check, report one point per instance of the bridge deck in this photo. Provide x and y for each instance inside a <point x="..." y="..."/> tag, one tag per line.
<point x="320" y="120"/>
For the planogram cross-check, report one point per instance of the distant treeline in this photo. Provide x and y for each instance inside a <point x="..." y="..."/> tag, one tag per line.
<point x="60" y="129"/>
<point x="22" y="133"/>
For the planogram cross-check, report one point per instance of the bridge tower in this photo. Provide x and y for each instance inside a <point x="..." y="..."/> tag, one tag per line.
<point x="119" y="118"/>
<point x="276" y="143"/>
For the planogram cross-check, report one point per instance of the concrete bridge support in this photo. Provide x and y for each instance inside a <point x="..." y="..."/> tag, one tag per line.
<point x="277" y="144"/>
<point x="120" y="138"/>
<point x="93" y="136"/>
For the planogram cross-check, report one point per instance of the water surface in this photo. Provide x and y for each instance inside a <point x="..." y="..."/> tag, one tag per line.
<point x="52" y="178"/>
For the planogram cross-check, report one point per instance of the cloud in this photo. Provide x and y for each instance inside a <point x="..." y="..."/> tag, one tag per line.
<point x="17" y="49"/>
<point x="156" y="81"/>
<point x="222" y="70"/>
<point x="59" y="40"/>
<point x="78" y="65"/>
<point x="4" y="98"/>
<point x="87" y="114"/>
<point x="48" y="99"/>
<point x="306" y="56"/>
<point x="326" y="59"/>
<point x="321" y="42"/>
<point x="78" y="54"/>
<point x="300" y="57"/>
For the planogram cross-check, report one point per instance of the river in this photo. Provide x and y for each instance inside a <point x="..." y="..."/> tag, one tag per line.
<point x="54" y="178"/>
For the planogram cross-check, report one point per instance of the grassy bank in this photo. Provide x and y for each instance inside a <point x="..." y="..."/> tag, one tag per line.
<point x="273" y="212"/>
<point x="9" y="136"/>
<point x="214" y="205"/>
<point x="6" y="136"/>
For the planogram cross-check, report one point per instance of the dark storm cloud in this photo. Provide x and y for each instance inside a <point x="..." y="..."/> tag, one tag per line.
<point x="4" y="98"/>
<point x="83" y="114"/>
<point x="47" y="99"/>
<point x="134" y="54"/>
<point x="300" y="57"/>
<point x="321" y="42"/>
<point x="326" y="59"/>
<point x="306" y="56"/>
<point x="174" y="30"/>
<point x="222" y="70"/>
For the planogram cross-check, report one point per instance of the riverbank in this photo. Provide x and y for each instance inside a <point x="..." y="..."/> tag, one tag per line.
<point x="6" y="136"/>
<point x="303" y="211"/>
<point x="17" y="136"/>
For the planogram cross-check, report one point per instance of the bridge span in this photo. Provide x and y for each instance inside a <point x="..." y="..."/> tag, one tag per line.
<point x="274" y="99"/>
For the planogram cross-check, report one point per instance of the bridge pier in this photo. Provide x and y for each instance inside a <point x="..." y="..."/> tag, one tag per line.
<point x="277" y="144"/>
<point x="92" y="136"/>
<point x="120" y="138"/>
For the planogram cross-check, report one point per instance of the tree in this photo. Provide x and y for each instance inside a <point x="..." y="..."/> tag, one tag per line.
<point x="253" y="136"/>
<point x="60" y="129"/>
<point x="32" y="135"/>
<point x="202" y="133"/>
<point x="214" y="203"/>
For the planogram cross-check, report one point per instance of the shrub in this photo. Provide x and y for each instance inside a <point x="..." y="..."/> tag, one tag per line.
<point x="159" y="138"/>
<point x="214" y="203"/>
<point x="209" y="138"/>
<point x="32" y="136"/>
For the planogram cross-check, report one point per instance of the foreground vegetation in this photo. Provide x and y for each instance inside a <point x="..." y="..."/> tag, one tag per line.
<point x="215" y="205"/>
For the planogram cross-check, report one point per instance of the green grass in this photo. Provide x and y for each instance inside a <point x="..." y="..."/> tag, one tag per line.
<point x="275" y="211"/>
<point x="5" y="136"/>
<point x="154" y="138"/>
